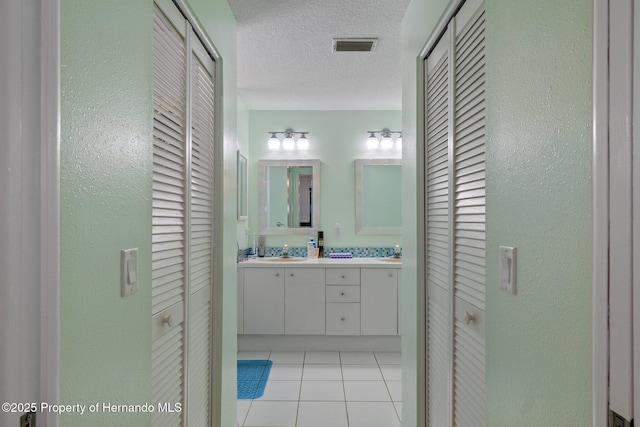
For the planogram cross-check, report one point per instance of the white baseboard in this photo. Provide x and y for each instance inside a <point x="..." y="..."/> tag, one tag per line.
<point x="317" y="343"/>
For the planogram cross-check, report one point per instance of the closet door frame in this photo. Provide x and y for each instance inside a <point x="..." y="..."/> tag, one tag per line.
<point x="218" y="200"/>
<point x="421" y="249"/>
<point x="615" y="210"/>
<point x="38" y="46"/>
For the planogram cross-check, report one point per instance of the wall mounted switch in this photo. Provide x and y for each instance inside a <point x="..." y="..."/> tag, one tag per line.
<point x="508" y="260"/>
<point x="129" y="272"/>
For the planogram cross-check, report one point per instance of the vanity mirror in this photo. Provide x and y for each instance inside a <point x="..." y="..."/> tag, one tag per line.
<point x="288" y="196"/>
<point x="378" y="196"/>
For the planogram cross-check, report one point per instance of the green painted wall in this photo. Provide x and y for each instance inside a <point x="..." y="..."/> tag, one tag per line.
<point x="538" y="199"/>
<point x="106" y="79"/>
<point x="337" y="139"/>
<point x="105" y="340"/>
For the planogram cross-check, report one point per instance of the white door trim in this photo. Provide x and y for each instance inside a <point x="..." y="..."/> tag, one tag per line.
<point x="600" y="213"/>
<point x="50" y="203"/>
<point x="30" y="214"/>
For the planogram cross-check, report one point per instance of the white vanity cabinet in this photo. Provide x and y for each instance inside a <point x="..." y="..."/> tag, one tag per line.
<point x="304" y="301"/>
<point x="264" y="300"/>
<point x="318" y="298"/>
<point x="379" y="301"/>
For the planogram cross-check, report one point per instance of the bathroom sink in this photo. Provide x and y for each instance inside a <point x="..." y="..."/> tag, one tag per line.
<point x="390" y="259"/>
<point x="284" y="259"/>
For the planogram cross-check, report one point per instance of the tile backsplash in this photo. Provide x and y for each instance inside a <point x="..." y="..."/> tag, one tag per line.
<point x="357" y="252"/>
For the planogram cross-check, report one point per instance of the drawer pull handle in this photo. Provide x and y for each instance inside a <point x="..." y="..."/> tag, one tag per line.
<point x="168" y="320"/>
<point x="469" y="318"/>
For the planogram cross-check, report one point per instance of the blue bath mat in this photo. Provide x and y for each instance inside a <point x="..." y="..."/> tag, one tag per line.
<point x="252" y="378"/>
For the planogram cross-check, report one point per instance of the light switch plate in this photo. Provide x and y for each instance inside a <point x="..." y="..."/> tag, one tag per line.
<point x="129" y="272"/>
<point x="508" y="261"/>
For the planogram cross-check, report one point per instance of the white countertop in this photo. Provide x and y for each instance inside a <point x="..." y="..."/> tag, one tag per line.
<point x="322" y="262"/>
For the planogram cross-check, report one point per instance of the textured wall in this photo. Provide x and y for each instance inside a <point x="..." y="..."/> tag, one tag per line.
<point x="105" y="340"/>
<point x="538" y="199"/>
<point x="337" y="138"/>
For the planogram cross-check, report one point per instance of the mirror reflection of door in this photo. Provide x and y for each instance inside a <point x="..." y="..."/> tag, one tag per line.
<point x="306" y="200"/>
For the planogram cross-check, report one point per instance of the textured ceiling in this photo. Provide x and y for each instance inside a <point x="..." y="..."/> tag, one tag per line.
<point x="285" y="57"/>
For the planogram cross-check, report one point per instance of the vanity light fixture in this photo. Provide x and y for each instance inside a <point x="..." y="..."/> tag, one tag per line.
<point x="386" y="142"/>
<point x="289" y="142"/>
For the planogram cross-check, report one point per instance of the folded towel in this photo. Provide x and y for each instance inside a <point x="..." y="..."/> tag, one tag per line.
<point x="340" y="255"/>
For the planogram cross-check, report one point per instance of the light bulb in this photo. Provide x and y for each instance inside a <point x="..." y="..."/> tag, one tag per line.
<point x="399" y="143"/>
<point x="273" y="143"/>
<point x="372" y="142"/>
<point x="303" y="142"/>
<point x="288" y="143"/>
<point x="386" y="143"/>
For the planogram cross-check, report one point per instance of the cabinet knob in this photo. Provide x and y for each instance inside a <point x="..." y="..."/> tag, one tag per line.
<point x="277" y="274"/>
<point x="390" y="274"/>
<point x="342" y="293"/>
<point x="343" y="276"/>
<point x="343" y="319"/>
<point x="469" y="318"/>
<point x="168" y="320"/>
<point x="291" y="275"/>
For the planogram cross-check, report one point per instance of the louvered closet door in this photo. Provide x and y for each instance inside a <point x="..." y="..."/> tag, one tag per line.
<point x="455" y="216"/>
<point x="169" y="213"/>
<point x="201" y="235"/>
<point x="469" y="217"/>
<point x="183" y="218"/>
<point x="437" y="93"/>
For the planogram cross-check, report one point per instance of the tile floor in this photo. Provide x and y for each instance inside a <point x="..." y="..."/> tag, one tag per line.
<point x="326" y="389"/>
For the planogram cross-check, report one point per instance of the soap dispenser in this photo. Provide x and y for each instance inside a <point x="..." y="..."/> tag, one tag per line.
<point x="320" y="244"/>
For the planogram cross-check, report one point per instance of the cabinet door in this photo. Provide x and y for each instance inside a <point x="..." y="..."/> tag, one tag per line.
<point x="264" y="300"/>
<point x="379" y="301"/>
<point x="304" y="301"/>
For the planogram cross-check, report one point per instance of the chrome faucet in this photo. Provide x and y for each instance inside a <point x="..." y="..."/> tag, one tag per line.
<point x="396" y="251"/>
<point x="285" y="251"/>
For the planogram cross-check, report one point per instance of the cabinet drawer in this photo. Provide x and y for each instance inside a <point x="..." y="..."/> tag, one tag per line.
<point x="343" y="318"/>
<point x="343" y="276"/>
<point x="343" y="293"/>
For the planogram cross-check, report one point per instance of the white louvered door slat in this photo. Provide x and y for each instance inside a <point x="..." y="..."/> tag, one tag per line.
<point x="469" y="218"/>
<point x="168" y="165"/>
<point x="455" y="221"/>
<point x="438" y="356"/>
<point x="168" y="216"/>
<point x="437" y="128"/>
<point x="166" y="375"/>
<point x="201" y="236"/>
<point x="183" y="220"/>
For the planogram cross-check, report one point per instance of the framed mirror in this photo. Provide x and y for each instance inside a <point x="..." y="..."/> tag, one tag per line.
<point x="378" y="196"/>
<point x="243" y="197"/>
<point x="289" y="196"/>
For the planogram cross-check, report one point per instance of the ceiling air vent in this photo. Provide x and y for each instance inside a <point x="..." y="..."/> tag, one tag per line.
<point x="354" y="45"/>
